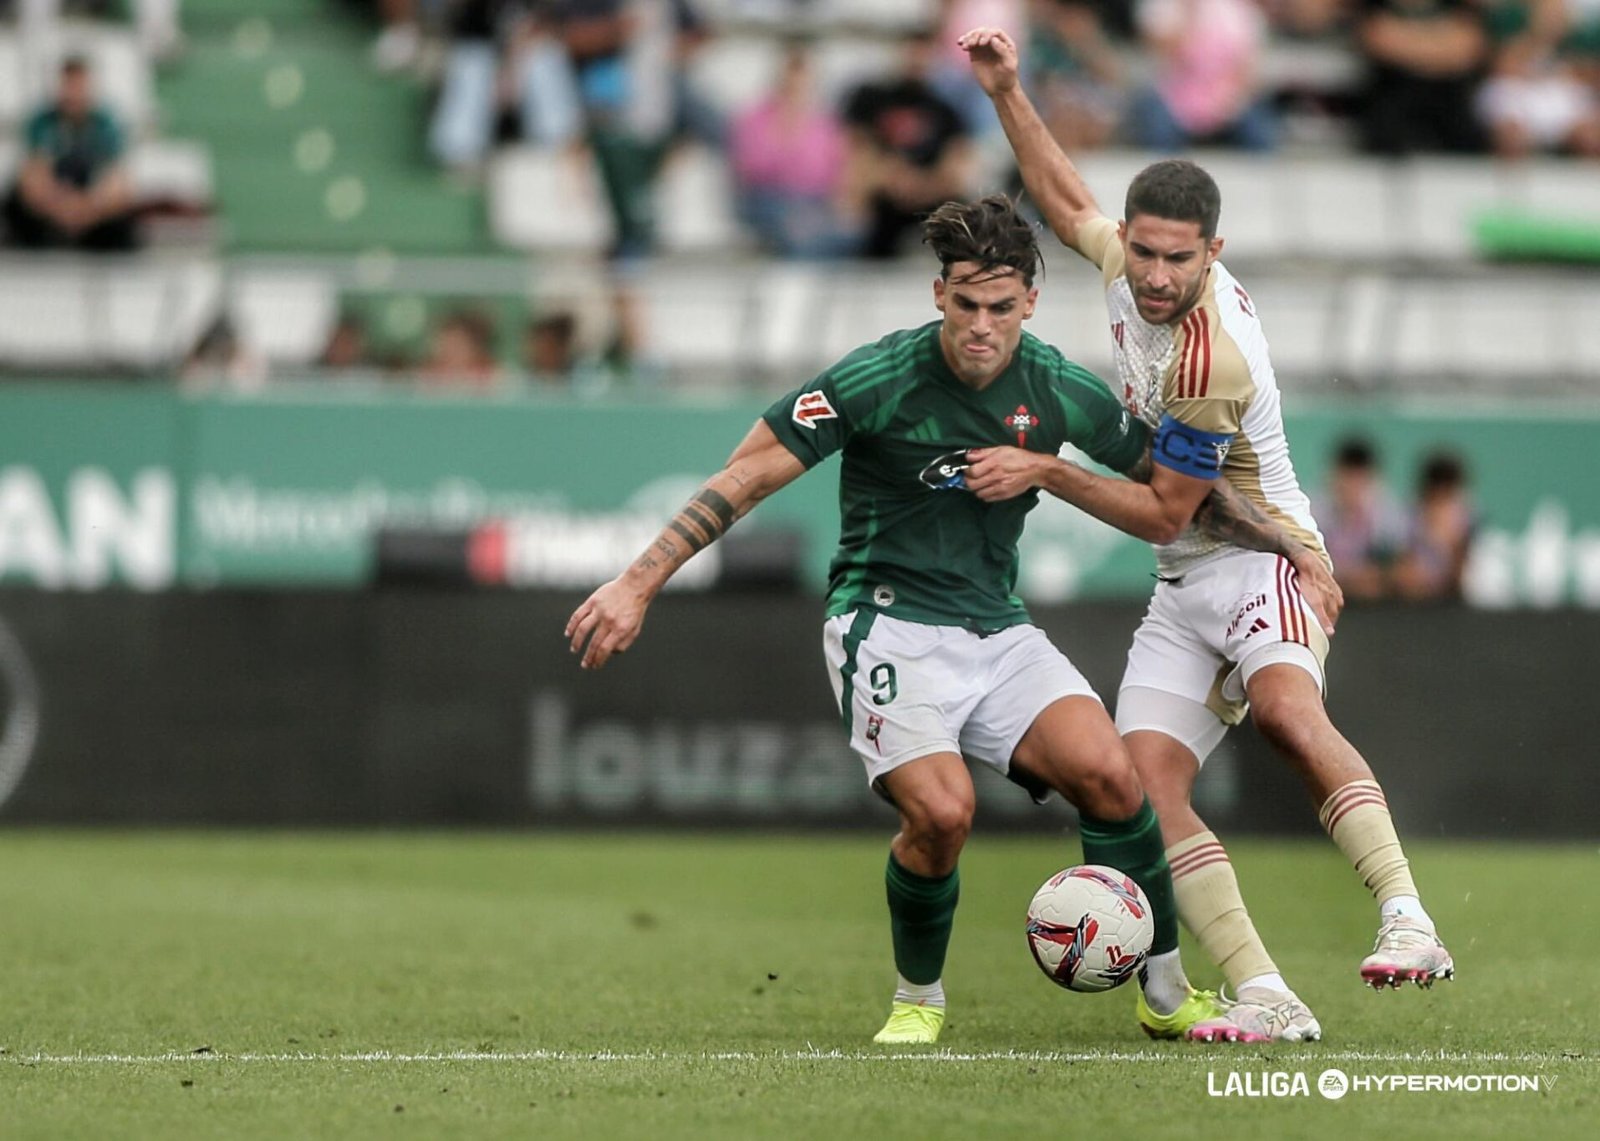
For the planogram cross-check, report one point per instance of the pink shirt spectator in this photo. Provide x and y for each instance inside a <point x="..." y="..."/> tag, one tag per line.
<point x="773" y="149"/>
<point x="1208" y="48"/>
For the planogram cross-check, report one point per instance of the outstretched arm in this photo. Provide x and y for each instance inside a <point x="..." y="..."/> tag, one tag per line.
<point x="1054" y="184"/>
<point x="610" y="619"/>
<point x="1156" y="503"/>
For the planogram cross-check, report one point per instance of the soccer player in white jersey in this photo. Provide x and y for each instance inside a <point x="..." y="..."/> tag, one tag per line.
<point x="1227" y="630"/>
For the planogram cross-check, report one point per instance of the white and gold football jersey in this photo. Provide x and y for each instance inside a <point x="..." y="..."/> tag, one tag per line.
<point x="1206" y="388"/>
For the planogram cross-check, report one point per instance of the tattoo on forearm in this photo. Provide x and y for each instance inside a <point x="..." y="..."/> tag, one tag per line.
<point x="1227" y="515"/>
<point x="1142" y="468"/>
<point x="703" y="520"/>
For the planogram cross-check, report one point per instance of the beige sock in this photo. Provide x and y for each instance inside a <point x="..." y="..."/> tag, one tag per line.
<point x="1212" y="909"/>
<point x="1357" y="817"/>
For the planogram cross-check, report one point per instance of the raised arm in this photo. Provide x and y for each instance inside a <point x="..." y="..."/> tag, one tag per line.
<point x="1055" y="186"/>
<point x="610" y="619"/>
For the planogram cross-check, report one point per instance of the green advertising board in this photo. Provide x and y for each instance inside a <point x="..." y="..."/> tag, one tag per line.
<point x="151" y="488"/>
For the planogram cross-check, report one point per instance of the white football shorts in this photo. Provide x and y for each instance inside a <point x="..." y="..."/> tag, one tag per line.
<point x="906" y="689"/>
<point x="1205" y="635"/>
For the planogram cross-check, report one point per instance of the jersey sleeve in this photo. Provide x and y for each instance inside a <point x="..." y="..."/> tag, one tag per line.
<point x="1097" y="241"/>
<point x="812" y="421"/>
<point x="1208" y="388"/>
<point x="1097" y="423"/>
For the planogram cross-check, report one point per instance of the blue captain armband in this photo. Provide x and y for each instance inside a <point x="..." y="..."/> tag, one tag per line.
<point x="1188" y="450"/>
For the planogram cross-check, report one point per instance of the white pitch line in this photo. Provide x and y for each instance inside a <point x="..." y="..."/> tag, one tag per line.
<point x="385" y="1057"/>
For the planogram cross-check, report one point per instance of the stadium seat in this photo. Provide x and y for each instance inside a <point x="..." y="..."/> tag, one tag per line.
<point x="45" y="317"/>
<point x="14" y="92"/>
<point x="152" y="313"/>
<point x="734" y="72"/>
<point x="1254" y="204"/>
<point x="790" y="297"/>
<point x="286" y="317"/>
<point x="697" y="319"/>
<point x="694" y="203"/>
<point x="171" y="169"/>
<point x="1443" y="196"/>
<point x="1342" y="209"/>
<point x="542" y="198"/>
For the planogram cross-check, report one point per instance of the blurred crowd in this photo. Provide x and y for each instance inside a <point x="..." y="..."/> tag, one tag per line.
<point x="467" y="347"/>
<point x="1384" y="549"/>
<point x="825" y="176"/>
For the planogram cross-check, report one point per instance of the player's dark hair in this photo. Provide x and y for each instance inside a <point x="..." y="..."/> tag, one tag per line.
<point x="1178" y="190"/>
<point x="988" y="232"/>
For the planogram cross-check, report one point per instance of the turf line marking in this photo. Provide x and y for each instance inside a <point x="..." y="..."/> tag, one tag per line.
<point x="384" y="1057"/>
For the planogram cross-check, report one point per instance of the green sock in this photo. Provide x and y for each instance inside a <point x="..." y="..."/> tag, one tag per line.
<point x="1135" y="846"/>
<point x="922" y="910"/>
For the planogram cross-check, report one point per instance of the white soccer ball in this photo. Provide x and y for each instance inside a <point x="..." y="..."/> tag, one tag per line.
<point x="1090" y="928"/>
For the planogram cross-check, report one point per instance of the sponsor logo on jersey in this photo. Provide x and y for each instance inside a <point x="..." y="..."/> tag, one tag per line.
<point x="1020" y="422"/>
<point x="1243" y="608"/>
<point x="947" y="472"/>
<point x="810" y="408"/>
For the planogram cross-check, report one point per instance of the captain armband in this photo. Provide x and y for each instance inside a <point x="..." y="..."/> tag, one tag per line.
<point x="1189" y="450"/>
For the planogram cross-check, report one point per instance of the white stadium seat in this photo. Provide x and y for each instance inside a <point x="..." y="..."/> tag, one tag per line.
<point x="694" y="202"/>
<point x="547" y="199"/>
<point x="285" y="317"/>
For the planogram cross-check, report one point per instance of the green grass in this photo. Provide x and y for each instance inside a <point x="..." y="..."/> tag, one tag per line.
<point x="740" y="978"/>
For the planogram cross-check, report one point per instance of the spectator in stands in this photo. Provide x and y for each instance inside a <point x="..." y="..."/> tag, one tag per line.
<point x="1206" y="89"/>
<point x="73" y="191"/>
<point x="461" y="352"/>
<point x="1443" y="523"/>
<point x="1536" y="98"/>
<point x="550" y="347"/>
<point x="221" y="359"/>
<point x="347" y="347"/>
<point x="788" y="159"/>
<point x="909" y="150"/>
<point x="1363" y="527"/>
<point x="1424" y="60"/>
<point x="1074" y="74"/>
<point x="499" y="47"/>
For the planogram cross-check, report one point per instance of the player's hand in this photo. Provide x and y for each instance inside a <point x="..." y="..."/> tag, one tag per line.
<point x="1319" y="587"/>
<point x="994" y="59"/>
<point x="1001" y="473"/>
<point x="609" y="621"/>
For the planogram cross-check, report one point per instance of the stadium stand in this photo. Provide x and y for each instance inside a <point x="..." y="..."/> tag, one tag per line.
<point x="1374" y="271"/>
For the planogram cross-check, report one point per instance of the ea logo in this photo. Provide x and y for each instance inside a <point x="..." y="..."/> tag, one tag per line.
<point x="1333" y="1084"/>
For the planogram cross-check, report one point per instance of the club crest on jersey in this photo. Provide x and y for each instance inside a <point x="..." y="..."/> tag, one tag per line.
<point x="1020" y="422"/>
<point x="810" y="408"/>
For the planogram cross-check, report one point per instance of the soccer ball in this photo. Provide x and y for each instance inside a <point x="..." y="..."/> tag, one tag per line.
<point x="1090" y="928"/>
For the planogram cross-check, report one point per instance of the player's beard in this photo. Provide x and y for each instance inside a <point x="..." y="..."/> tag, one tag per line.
<point x="1182" y="304"/>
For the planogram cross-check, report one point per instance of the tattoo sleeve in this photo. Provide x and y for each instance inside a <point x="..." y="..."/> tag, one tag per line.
<point x="1227" y="515"/>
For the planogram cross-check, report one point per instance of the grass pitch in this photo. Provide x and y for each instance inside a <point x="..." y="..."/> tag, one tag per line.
<point x="427" y="985"/>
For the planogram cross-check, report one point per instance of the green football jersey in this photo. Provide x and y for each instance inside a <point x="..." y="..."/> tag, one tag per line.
<point x="914" y="543"/>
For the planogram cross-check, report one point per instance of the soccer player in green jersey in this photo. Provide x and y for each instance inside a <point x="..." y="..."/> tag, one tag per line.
<point x="932" y="655"/>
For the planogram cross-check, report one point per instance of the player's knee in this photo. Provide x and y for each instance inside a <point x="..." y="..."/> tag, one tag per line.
<point x="1110" y="791"/>
<point x="942" y="823"/>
